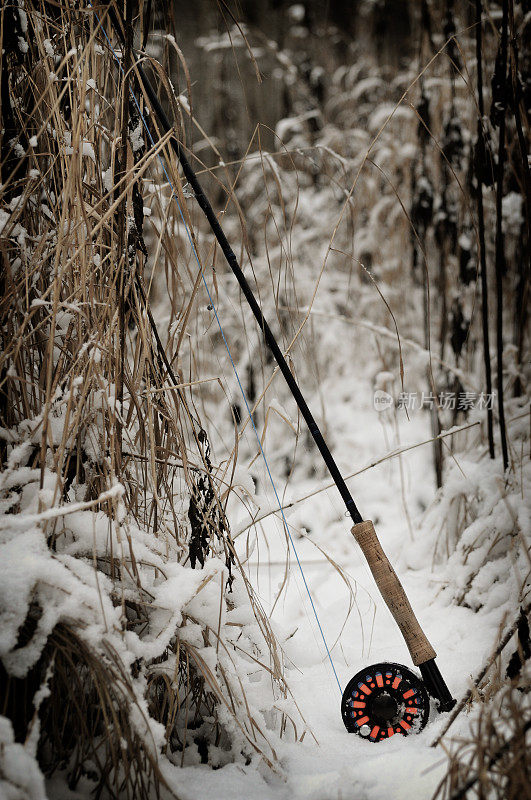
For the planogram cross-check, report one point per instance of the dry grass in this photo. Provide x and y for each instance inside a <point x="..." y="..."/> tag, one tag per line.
<point x="492" y="758"/>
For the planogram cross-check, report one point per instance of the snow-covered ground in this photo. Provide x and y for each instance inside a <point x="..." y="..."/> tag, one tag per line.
<point x="330" y="764"/>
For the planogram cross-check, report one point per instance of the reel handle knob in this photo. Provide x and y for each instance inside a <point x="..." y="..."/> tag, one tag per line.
<point x="393" y="593"/>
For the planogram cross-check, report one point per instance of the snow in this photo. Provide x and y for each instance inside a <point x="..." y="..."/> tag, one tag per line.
<point x="512" y="206"/>
<point x="20" y="776"/>
<point x="136" y="138"/>
<point x="16" y="231"/>
<point x="296" y="12"/>
<point x="23" y="17"/>
<point x="87" y="149"/>
<point x="107" y="179"/>
<point x="293" y="124"/>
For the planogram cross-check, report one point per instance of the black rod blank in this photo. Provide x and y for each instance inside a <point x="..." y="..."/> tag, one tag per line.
<point x="430" y="672"/>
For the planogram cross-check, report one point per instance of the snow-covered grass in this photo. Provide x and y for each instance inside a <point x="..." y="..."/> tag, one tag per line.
<point x="109" y="498"/>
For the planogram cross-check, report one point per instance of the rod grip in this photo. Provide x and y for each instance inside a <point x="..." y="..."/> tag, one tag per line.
<point x="393" y="593"/>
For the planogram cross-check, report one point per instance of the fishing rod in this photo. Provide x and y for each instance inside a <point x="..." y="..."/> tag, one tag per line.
<point x="382" y="699"/>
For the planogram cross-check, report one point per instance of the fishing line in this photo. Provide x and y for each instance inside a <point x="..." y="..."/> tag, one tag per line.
<point x="175" y="197"/>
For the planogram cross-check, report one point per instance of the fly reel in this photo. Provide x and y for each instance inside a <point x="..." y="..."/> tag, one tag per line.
<point x="385" y="699"/>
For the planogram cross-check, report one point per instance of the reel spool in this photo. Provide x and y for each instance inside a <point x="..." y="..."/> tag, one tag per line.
<point x="385" y="699"/>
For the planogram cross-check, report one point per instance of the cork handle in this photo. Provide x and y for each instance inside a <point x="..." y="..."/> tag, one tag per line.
<point x="393" y="593"/>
